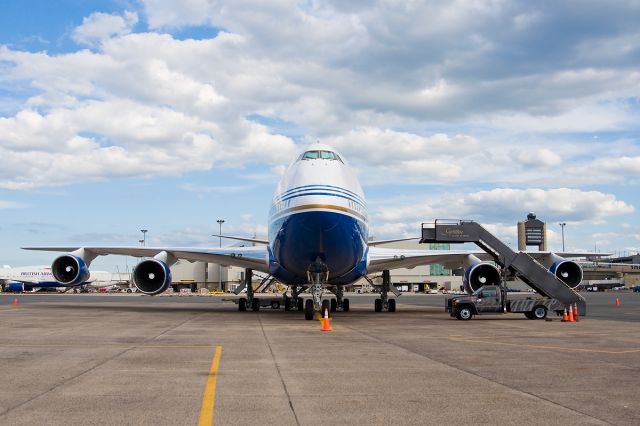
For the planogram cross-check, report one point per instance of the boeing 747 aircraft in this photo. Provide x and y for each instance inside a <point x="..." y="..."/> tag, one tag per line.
<point x="29" y="278"/>
<point x="318" y="240"/>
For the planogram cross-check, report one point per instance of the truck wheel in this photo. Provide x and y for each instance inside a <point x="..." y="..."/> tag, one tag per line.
<point x="242" y="304"/>
<point x="345" y="305"/>
<point x="275" y="304"/>
<point x="255" y="304"/>
<point x="529" y="315"/>
<point x="539" y="312"/>
<point x="377" y="305"/>
<point x="392" y="305"/>
<point x="464" y="313"/>
<point x="308" y="310"/>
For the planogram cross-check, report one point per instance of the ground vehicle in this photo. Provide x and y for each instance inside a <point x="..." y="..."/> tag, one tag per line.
<point x="636" y="289"/>
<point x="492" y="299"/>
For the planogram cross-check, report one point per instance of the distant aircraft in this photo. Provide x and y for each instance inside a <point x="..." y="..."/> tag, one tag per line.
<point x="318" y="239"/>
<point x="30" y="278"/>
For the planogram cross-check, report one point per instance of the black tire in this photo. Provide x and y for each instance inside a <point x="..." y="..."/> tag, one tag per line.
<point x="326" y="305"/>
<point x="242" y="304"/>
<point x="300" y="304"/>
<point x="345" y="305"/>
<point x="539" y="312"/>
<point x="464" y="313"/>
<point x="129" y="290"/>
<point x="377" y="305"/>
<point x="334" y="305"/>
<point x="529" y="315"/>
<point x="392" y="305"/>
<point x="287" y="304"/>
<point x="308" y="310"/>
<point x="275" y="304"/>
<point x="255" y="304"/>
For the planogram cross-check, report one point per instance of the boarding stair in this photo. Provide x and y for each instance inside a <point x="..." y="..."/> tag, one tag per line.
<point x="520" y="264"/>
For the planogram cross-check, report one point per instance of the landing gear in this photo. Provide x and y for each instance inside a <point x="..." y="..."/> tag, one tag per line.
<point x="300" y="304"/>
<point x="255" y="304"/>
<point x="318" y="276"/>
<point x="326" y="306"/>
<point x="384" y="302"/>
<point x="308" y="310"/>
<point x="341" y="302"/>
<point x="242" y="304"/>
<point x="334" y="305"/>
<point x="287" y="303"/>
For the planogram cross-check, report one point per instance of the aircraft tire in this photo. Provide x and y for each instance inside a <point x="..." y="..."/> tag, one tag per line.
<point x="242" y="304"/>
<point x="326" y="305"/>
<point x="308" y="310"/>
<point x="392" y="305"/>
<point x="377" y="305"/>
<point x="255" y="304"/>
<point x="287" y="304"/>
<point x="300" y="304"/>
<point x="334" y="305"/>
<point x="345" y="305"/>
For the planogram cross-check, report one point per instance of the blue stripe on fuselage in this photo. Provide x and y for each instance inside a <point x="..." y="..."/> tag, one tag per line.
<point x="298" y="239"/>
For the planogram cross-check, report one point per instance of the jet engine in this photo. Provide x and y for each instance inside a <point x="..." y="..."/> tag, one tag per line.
<point x="478" y="274"/>
<point x="152" y="276"/>
<point x="70" y="270"/>
<point x="567" y="271"/>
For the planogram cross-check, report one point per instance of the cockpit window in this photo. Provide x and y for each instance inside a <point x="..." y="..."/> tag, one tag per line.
<point x="323" y="155"/>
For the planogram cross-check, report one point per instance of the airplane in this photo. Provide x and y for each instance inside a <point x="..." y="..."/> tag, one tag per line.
<point x="30" y="278"/>
<point x="318" y="238"/>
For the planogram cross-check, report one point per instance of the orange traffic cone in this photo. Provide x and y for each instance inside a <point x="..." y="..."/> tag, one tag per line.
<point x="617" y="302"/>
<point x="325" y="321"/>
<point x="15" y="302"/>
<point x="565" y="317"/>
<point x="571" y="318"/>
<point x="575" y="312"/>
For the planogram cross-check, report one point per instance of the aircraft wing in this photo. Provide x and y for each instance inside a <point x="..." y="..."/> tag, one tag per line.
<point x="246" y="257"/>
<point x="391" y="258"/>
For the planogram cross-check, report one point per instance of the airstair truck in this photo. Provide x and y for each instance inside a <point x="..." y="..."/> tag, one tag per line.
<point x="492" y="299"/>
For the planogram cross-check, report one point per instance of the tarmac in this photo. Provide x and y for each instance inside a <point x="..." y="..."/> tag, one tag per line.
<point x="129" y="359"/>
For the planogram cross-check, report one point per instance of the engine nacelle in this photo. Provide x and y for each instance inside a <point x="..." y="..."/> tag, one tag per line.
<point x="70" y="270"/>
<point x="152" y="276"/>
<point x="14" y="287"/>
<point x="567" y="271"/>
<point x="479" y="274"/>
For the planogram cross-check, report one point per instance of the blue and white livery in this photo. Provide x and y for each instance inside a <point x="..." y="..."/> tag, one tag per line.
<point x="318" y="239"/>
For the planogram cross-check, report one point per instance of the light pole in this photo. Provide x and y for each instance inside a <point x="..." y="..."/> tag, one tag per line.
<point x="144" y="237"/>
<point x="220" y="222"/>
<point x="562" y="225"/>
<point x="141" y="243"/>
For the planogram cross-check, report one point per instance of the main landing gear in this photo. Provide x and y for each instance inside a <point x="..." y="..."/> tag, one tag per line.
<point x="249" y="301"/>
<point x="384" y="303"/>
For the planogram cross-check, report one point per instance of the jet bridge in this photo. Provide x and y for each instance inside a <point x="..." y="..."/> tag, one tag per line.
<point x="520" y="263"/>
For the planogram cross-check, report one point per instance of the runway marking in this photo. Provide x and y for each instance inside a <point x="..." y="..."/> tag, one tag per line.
<point x="620" y="352"/>
<point x="209" y="397"/>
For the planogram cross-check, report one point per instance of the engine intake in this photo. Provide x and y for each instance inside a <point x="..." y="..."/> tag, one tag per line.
<point x="479" y="274"/>
<point x="568" y="272"/>
<point x="152" y="276"/>
<point x="70" y="270"/>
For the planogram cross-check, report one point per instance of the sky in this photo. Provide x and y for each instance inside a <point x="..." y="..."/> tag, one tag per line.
<point x="122" y="115"/>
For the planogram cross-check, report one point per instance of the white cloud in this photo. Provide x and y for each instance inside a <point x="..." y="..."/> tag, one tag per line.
<point x="98" y="27"/>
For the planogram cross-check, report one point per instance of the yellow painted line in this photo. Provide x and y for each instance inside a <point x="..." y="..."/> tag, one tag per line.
<point x="561" y="348"/>
<point x="209" y="397"/>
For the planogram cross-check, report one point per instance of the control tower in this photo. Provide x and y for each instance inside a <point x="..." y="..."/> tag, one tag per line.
<point x="532" y="232"/>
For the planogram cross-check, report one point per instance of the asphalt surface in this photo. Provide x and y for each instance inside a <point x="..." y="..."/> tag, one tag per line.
<point x="129" y="359"/>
